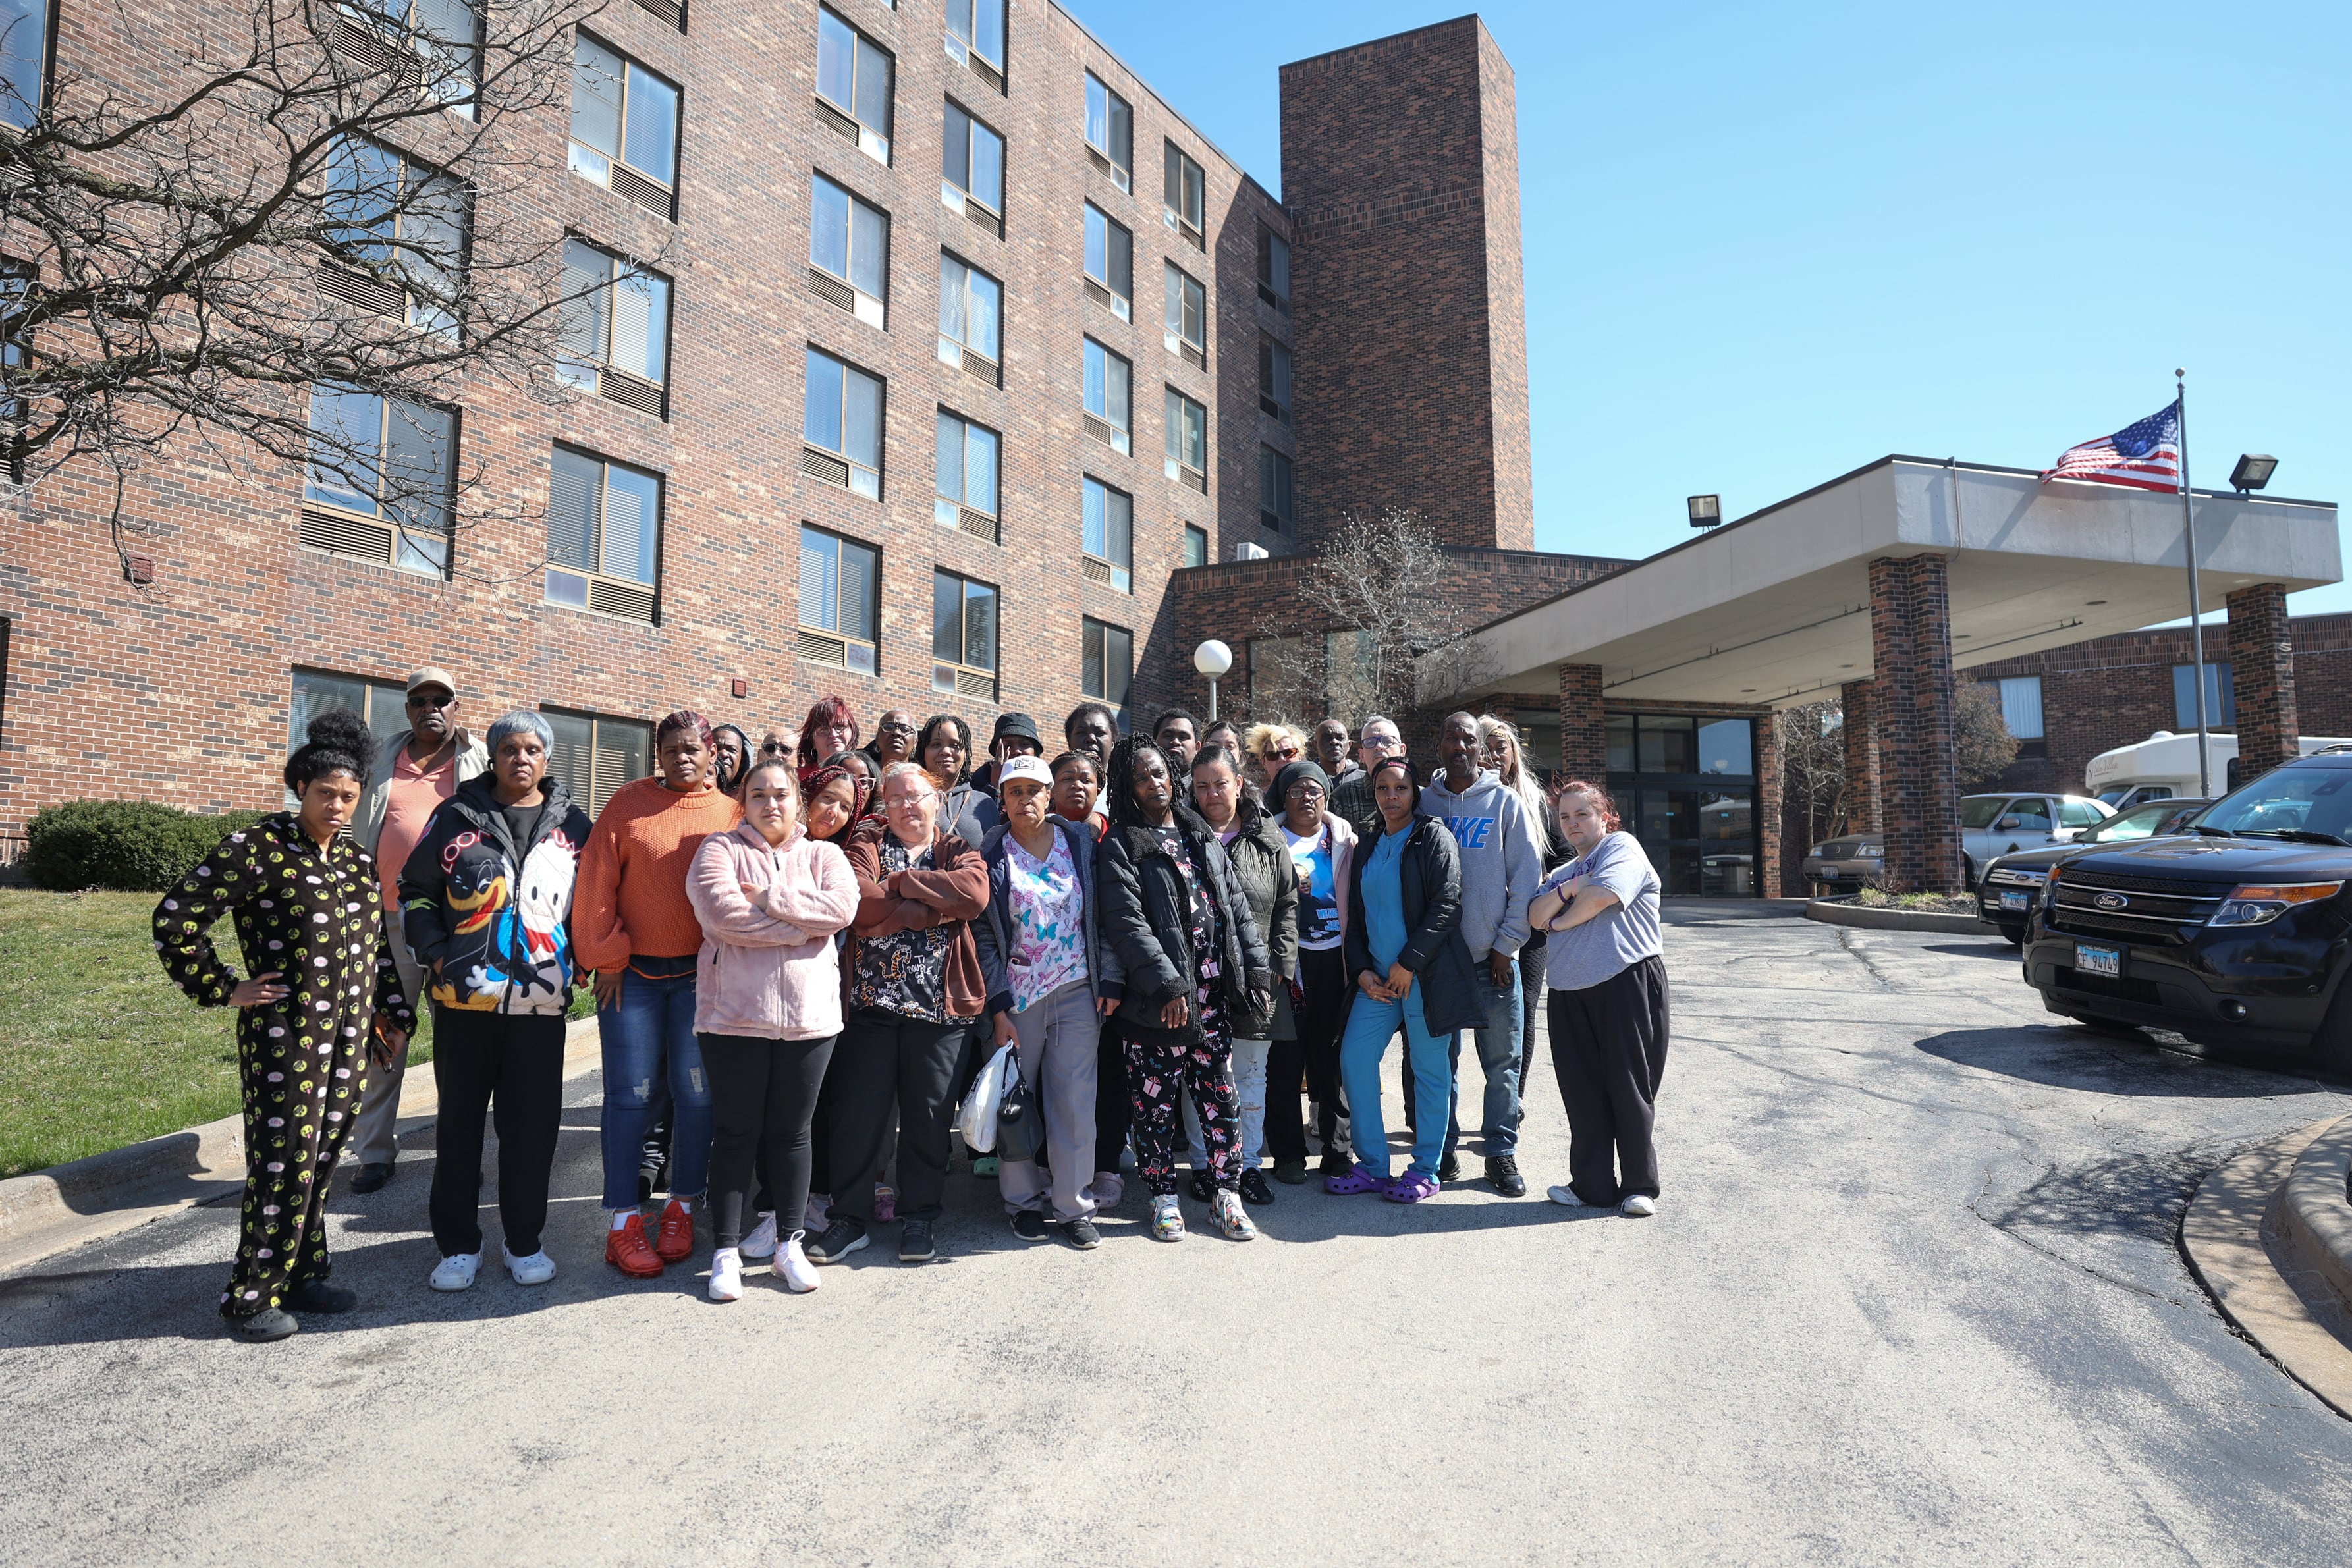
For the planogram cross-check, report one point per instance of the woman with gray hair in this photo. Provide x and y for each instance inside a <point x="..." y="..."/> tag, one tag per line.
<point x="485" y="900"/>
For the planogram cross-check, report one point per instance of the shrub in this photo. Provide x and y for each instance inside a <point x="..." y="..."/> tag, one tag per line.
<point x="127" y="846"/>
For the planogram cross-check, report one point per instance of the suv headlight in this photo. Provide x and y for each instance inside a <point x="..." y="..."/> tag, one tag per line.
<point x="2260" y="904"/>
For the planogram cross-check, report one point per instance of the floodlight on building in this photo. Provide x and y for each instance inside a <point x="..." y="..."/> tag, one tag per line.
<point x="2253" y="471"/>
<point x="1705" y="511"/>
<point x="1212" y="659"/>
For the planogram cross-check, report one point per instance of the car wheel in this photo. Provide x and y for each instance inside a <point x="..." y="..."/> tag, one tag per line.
<point x="2114" y="1029"/>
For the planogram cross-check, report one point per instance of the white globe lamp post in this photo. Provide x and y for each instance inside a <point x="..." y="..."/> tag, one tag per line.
<point x="1212" y="659"/>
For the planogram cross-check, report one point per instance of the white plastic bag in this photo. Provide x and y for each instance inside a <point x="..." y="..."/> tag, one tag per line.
<point x="977" y="1120"/>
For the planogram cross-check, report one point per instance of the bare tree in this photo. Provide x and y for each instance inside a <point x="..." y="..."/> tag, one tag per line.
<point x="1377" y="587"/>
<point x="1980" y="738"/>
<point x="1812" y="766"/>
<point x="290" y="195"/>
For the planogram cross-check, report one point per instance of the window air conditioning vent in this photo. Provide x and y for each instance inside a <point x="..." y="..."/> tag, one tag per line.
<point x="669" y="11"/>
<point x="825" y="467"/>
<point x="1268" y="406"/>
<point x="655" y="198"/>
<point x="837" y="122"/>
<point x="1118" y="175"/>
<point x="973" y="684"/>
<point x="1095" y="571"/>
<point x="984" y="70"/>
<point x="1271" y="298"/>
<point x="1195" y="478"/>
<point x="979" y="525"/>
<point x="371" y="50"/>
<point x="620" y="598"/>
<point x="628" y="391"/>
<point x="1271" y="523"/>
<point x="340" y="535"/>
<point x="980" y="367"/>
<point x="355" y="287"/>
<point x="1101" y="430"/>
<point x="982" y="218"/>
<point x="831" y="290"/>
<point x="1101" y="295"/>
<point x="1197" y="357"/>
<point x="820" y="649"/>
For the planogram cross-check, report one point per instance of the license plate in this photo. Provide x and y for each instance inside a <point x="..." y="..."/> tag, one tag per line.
<point x="1829" y="873"/>
<point x="2107" y="961"/>
<point x="2020" y="902"/>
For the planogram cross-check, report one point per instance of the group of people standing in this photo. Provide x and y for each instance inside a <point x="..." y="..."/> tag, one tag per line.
<point x="805" y="951"/>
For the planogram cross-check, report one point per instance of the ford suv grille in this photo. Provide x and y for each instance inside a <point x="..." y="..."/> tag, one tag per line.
<point x="2136" y="908"/>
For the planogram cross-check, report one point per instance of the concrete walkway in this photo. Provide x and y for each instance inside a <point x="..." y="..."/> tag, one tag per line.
<point x="1913" y="1297"/>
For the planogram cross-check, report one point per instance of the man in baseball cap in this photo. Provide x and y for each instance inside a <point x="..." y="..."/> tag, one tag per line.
<point x="421" y="768"/>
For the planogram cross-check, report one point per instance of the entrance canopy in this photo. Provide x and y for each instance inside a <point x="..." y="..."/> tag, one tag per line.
<point x="1775" y="607"/>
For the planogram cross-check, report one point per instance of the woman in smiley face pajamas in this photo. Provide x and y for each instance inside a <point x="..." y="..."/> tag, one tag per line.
<point x="309" y="915"/>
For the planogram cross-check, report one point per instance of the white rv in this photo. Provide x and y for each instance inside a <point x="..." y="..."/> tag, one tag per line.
<point x="2164" y="767"/>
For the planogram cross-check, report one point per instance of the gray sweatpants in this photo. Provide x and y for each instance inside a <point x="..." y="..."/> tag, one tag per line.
<point x="1057" y="1037"/>
<point x="372" y="1142"/>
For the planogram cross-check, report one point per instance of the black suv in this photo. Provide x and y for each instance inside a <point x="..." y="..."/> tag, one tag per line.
<point x="2236" y="934"/>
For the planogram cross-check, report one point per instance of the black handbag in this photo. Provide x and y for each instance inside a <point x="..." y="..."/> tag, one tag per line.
<point x="1019" y="1121"/>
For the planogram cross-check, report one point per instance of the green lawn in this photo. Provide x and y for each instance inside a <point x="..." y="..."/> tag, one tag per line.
<point x="96" y="1048"/>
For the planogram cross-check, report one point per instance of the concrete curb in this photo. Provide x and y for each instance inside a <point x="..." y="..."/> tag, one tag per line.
<point x="49" y="1211"/>
<point x="1838" y="911"/>
<point x="2235" y="1246"/>
<point x="2312" y="1215"/>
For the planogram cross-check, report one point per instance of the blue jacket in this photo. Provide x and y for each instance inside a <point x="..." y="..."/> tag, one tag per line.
<point x="994" y="928"/>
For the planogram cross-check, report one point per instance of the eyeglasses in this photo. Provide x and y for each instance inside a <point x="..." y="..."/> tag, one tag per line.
<point x="895" y="726"/>
<point x="420" y="699"/>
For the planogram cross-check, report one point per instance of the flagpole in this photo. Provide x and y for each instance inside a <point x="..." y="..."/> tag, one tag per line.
<point x="2196" y="610"/>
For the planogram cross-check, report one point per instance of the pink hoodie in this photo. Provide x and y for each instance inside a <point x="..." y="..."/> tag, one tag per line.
<point x="768" y="968"/>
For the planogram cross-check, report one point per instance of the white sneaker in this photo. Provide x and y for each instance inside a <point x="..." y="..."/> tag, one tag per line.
<point x="761" y="1243"/>
<point x="457" y="1271"/>
<point x="536" y="1269"/>
<point x="793" y="1267"/>
<point x="814" y="1221"/>
<point x="727" y="1275"/>
<point x="1166" y="1220"/>
<point x="1232" y="1218"/>
<point x="1638" y="1207"/>
<point x="1567" y="1195"/>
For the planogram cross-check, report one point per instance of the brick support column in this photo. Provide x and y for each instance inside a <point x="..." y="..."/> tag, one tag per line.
<point x="1583" y="732"/>
<point x="2262" y="668"/>
<point x="1768" y="878"/>
<point x="1919" y="787"/>
<point x="1860" y="812"/>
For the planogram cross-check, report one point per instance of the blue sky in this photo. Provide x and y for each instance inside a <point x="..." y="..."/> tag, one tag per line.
<point x="1768" y="244"/>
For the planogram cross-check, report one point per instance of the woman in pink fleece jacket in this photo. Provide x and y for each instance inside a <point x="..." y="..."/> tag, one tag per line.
<point x="767" y="1006"/>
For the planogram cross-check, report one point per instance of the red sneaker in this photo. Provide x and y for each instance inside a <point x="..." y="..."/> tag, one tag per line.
<point x="675" y="1242"/>
<point x="627" y="1251"/>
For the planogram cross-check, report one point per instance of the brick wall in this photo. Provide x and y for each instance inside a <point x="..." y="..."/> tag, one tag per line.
<point x="1911" y="630"/>
<point x="1400" y="165"/>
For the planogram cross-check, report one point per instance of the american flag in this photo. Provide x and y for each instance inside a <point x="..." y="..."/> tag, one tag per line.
<point x="2145" y="455"/>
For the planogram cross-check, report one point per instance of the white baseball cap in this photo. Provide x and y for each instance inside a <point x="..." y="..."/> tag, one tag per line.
<point x="1030" y="767"/>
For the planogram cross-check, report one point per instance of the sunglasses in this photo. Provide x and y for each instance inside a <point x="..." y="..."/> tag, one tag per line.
<point x="418" y="699"/>
<point x="890" y="727"/>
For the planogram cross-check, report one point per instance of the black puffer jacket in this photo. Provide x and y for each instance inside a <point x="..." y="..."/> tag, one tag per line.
<point x="1431" y="879"/>
<point x="1268" y="879"/>
<point x="1144" y="920"/>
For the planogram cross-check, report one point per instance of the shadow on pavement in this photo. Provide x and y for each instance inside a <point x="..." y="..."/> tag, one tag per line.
<point x="1993" y="948"/>
<point x="2069" y="1058"/>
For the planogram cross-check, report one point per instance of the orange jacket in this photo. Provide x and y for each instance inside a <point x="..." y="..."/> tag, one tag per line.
<point x="631" y="896"/>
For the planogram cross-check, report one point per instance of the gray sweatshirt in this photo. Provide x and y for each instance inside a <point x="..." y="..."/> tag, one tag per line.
<point x="1501" y="862"/>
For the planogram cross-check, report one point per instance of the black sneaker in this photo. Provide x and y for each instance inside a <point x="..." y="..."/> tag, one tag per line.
<point x="1254" y="1188"/>
<point x="1029" y="1224"/>
<point x="915" y="1242"/>
<point x="264" y="1327"/>
<point x="1201" y="1186"/>
<point x="1504" y="1172"/>
<point x="1336" y="1162"/>
<point x="1290" y="1171"/>
<point x="317" y="1296"/>
<point x="1083" y="1235"/>
<point x="373" y="1177"/>
<point x="842" y="1238"/>
<point x="1449" y="1169"/>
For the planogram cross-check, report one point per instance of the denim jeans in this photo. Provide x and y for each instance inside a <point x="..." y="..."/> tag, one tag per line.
<point x="649" y="1038"/>
<point x="1498" y="1057"/>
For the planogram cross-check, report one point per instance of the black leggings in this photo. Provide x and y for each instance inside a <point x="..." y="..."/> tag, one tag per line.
<point x="762" y="1098"/>
<point x="1315" y="1055"/>
<point x="1112" y="1111"/>
<point x="513" y="1062"/>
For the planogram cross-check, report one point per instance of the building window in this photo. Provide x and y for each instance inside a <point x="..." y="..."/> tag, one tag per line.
<point x="1110" y="132"/>
<point x="2220" y="696"/>
<point x="971" y="305"/>
<point x="842" y="426"/>
<point x="604" y="536"/>
<point x="1109" y="540"/>
<point x="963" y="636"/>
<point x="1188" y="441"/>
<point x="381" y="706"/>
<point x="394" y="235"/>
<point x="1273" y="376"/>
<point x="434" y="44"/>
<point x="24" y="60"/>
<point x="1274" y="500"/>
<point x="849" y="251"/>
<point x="15" y="283"/>
<point x="595" y="755"/>
<point x="1109" y="662"/>
<point x="1186" y="305"/>
<point x="1196" y="546"/>
<point x="615" y="327"/>
<point x="1110" y="263"/>
<point x="841" y="601"/>
<point x="1186" y="191"/>
<point x="1109" y="397"/>
<point x="971" y="171"/>
<point x="381" y="475"/>
<point x="1685" y="785"/>
<point x="853" y="86"/>
<point x="976" y="38"/>
<point x="1273" y="268"/>
<point x="2020" y="705"/>
<point x="966" y="484"/>
<point x="624" y="126"/>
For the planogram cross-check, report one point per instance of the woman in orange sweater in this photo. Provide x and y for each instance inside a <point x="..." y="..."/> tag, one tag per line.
<point x="634" y="926"/>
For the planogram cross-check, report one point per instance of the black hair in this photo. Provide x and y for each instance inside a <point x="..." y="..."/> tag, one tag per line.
<point x="1118" y="787"/>
<point x="1070" y="724"/>
<point x="1216" y="752"/>
<point x="1404" y="767"/>
<point x="337" y="741"/>
<point x="751" y="755"/>
<point x="922" y="757"/>
<point x="1162" y="722"/>
<point x="867" y="767"/>
<point x="1092" y="764"/>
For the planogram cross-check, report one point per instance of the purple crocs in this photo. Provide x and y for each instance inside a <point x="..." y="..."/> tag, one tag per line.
<point x="1412" y="1187"/>
<point x="1359" y="1179"/>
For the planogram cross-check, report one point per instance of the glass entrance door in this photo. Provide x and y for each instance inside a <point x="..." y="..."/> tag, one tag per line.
<point x="1685" y="785"/>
